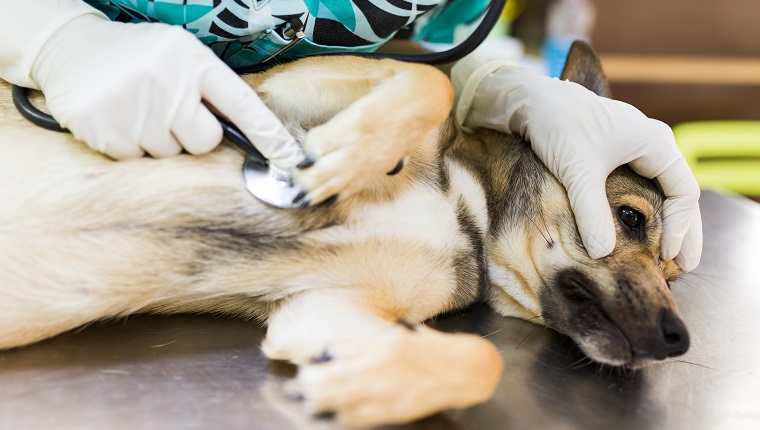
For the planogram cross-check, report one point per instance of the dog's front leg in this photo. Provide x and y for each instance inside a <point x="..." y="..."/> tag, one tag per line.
<point x="363" y="118"/>
<point x="370" y="370"/>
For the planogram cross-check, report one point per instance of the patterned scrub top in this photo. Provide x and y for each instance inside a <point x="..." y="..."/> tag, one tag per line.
<point x="245" y="32"/>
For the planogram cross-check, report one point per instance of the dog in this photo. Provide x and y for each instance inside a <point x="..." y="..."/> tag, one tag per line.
<point x="344" y="286"/>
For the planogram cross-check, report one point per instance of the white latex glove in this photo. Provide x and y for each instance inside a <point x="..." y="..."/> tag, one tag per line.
<point x="582" y="138"/>
<point x="128" y="89"/>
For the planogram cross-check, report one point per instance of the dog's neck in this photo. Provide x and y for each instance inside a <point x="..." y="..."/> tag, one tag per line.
<point x="510" y="174"/>
<point x="519" y="198"/>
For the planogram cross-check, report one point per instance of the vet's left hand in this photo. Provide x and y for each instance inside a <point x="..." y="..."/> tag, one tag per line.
<point x="582" y="138"/>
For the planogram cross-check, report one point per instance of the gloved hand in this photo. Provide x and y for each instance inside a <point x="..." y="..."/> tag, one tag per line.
<point x="128" y="89"/>
<point x="582" y="138"/>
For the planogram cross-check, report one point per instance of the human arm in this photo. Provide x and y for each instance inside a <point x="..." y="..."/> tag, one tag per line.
<point x="127" y="89"/>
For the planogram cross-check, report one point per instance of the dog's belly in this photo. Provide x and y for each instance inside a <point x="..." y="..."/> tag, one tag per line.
<point x="83" y="238"/>
<point x="404" y="257"/>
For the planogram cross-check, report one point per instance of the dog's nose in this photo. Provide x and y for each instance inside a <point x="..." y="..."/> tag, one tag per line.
<point x="674" y="338"/>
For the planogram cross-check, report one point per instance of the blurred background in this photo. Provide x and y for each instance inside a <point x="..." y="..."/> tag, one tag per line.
<point x="710" y="51"/>
<point x="694" y="64"/>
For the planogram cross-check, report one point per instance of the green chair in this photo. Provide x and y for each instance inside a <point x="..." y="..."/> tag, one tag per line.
<point x="722" y="154"/>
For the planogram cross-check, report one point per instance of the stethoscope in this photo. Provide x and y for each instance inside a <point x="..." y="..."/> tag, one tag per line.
<point x="265" y="181"/>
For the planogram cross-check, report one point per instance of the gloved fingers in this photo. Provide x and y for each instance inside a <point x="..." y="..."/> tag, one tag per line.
<point x="588" y="199"/>
<point x="161" y="146"/>
<point x="657" y="149"/>
<point x="196" y="128"/>
<point x="107" y="138"/>
<point x="236" y="100"/>
<point x="119" y="148"/>
<point x="682" y="225"/>
<point x="691" y="248"/>
<point x="157" y="139"/>
<point x="682" y="192"/>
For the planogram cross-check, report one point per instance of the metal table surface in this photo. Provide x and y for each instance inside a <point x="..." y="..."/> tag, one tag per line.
<point x="204" y="372"/>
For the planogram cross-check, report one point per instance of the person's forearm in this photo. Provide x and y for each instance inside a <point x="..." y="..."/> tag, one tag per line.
<point x="24" y="28"/>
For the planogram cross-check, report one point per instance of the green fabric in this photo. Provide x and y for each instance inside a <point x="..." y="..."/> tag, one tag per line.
<point x="441" y="28"/>
<point x="342" y="10"/>
<point x="242" y="32"/>
<point x="179" y="14"/>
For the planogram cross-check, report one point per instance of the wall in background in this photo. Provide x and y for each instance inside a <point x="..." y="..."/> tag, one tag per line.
<point x="680" y="27"/>
<point x="706" y="30"/>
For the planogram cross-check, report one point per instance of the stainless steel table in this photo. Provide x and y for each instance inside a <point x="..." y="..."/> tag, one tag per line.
<point x="205" y="372"/>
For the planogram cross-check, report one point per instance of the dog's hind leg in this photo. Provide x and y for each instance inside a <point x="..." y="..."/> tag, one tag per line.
<point x="357" y="362"/>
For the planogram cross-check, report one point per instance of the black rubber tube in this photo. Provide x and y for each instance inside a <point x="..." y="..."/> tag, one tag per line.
<point x="28" y="111"/>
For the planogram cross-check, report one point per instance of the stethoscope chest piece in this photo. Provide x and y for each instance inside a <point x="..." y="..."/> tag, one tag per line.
<point x="269" y="184"/>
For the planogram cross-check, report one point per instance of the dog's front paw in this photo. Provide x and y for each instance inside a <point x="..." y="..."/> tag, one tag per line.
<point x="398" y="377"/>
<point x="341" y="163"/>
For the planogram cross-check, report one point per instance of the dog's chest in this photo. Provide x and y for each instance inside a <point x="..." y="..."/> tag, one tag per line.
<point x="414" y="245"/>
<point x="422" y="216"/>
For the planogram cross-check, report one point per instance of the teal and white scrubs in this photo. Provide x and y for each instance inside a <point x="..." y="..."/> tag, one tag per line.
<point x="243" y="32"/>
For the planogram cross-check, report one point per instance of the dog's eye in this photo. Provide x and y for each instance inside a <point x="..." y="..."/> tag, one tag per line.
<point x="630" y="217"/>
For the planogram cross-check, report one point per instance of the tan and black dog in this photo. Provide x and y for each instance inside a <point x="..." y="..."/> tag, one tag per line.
<point x="343" y="288"/>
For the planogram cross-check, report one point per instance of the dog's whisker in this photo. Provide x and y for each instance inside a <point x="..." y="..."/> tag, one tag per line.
<point x="546" y="226"/>
<point x="575" y="362"/>
<point x="703" y="277"/>
<point x="580" y="363"/>
<point x="693" y="290"/>
<point x="535" y="225"/>
<point x="599" y="369"/>
<point x="527" y="321"/>
<point x="692" y="285"/>
<point x="529" y="335"/>
<point x="492" y="333"/>
<point x="630" y="372"/>
<point x="674" y="213"/>
<point x="692" y="363"/>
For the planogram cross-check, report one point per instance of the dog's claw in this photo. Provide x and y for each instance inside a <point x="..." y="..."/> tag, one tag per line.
<point x="307" y="162"/>
<point x="407" y="325"/>
<point x="326" y="415"/>
<point x="328" y="201"/>
<point x="292" y="390"/>
<point x="396" y="169"/>
<point x="299" y="197"/>
<point x="324" y="358"/>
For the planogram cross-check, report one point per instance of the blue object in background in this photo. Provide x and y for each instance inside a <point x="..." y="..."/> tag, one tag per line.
<point x="566" y="22"/>
<point x="554" y="51"/>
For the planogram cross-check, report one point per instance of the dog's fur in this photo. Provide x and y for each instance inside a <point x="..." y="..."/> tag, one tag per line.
<point x="342" y="288"/>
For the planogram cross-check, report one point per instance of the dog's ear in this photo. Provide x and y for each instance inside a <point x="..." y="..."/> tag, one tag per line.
<point x="583" y="66"/>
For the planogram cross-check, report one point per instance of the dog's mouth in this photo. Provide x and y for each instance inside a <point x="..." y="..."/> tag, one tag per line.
<point x="612" y="335"/>
<point x="599" y="337"/>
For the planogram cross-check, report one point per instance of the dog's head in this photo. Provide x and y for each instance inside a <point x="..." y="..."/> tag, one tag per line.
<point x="618" y="309"/>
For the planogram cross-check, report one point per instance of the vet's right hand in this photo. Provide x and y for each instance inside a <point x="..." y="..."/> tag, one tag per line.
<point x="131" y="89"/>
